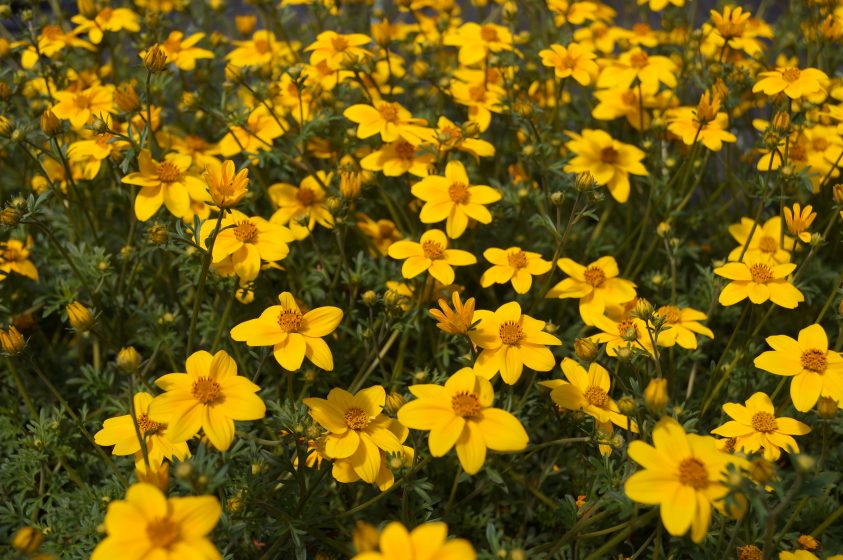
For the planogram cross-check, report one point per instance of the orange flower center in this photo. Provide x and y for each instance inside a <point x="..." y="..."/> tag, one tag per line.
<point x="630" y="98"/>
<point x="510" y="332"/>
<point x="162" y="532"/>
<point x="814" y="360"/>
<point x="147" y="427"/>
<point x="12" y="254"/>
<point x="477" y="93"/>
<point x="489" y="33"/>
<point x="768" y="244"/>
<point x="339" y="43"/>
<point x="246" y="232"/>
<point x="517" y="259"/>
<point x="289" y="320"/>
<point x="385" y="230"/>
<point x="465" y="404"/>
<point x="168" y="172"/>
<point x="791" y="74"/>
<point x="405" y="150"/>
<point x="262" y="46"/>
<point x="82" y="101"/>
<point x="761" y="273"/>
<point x="639" y="59"/>
<point x="797" y="152"/>
<point x="820" y="144"/>
<point x="206" y="390"/>
<point x="356" y="418"/>
<point x="594" y="276"/>
<point x="692" y="473"/>
<point x="671" y="314"/>
<point x="596" y="396"/>
<point x="627" y="330"/>
<point x="388" y="111"/>
<point x="458" y="192"/>
<point x="432" y="250"/>
<point x="305" y="196"/>
<point x="764" y="422"/>
<point x="609" y="155"/>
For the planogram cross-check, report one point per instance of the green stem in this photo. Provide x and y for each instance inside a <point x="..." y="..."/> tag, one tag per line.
<point x="200" y="288"/>
<point x="24" y="394"/>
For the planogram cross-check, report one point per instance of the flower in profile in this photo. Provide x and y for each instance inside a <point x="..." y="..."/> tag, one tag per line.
<point x="337" y="50"/>
<point x="628" y="332"/>
<point x="390" y="120"/>
<point x="755" y="426"/>
<point x="226" y="187"/>
<point x="513" y="265"/>
<point x="730" y="29"/>
<point x="511" y="340"/>
<point x="815" y="370"/>
<point x="792" y="81"/>
<point x="427" y="541"/>
<point x="595" y="285"/>
<point x="765" y="244"/>
<point x="610" y="162"/>
<point x="14" y="257"/>
<point x="430" y="254"/>
<point x="454" y="200"/>
<point x="210" y="396"/>
<point x="306" y="201"/>
<point x="167" y="182"/>
<point x="476" y="41"/>
<point x="460" y="414"/>
<point x="704" y="123"/>
<point x="357" y="428"/>
<point x="683" y="474"/>
<point x="680" y="326"/>
<point x="798" y="220"/>
<point x="147" y="524"/>
<point x="759" y="282"/>
<point x="574" y="61"/>
<point x="381" y="233"/>
<point x="292" y="334"/>
<point x="457" y="320"/>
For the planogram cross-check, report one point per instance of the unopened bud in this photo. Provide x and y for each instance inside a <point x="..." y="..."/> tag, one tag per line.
<point x="643" y="309"/>
<point x="5" y="92"/>
<point x="80" y="317"/>
<point x="27" y="540"/>
<point x="126" y="98"/>
<point x="128" y="360"/>
<point x="827" y="408"/>
<point x="655" y="394"/>
<point x="157" y="234"/>
<point x="837" y="191"/>
<point x="6" y="126"/>
<point x="155" y="59"/>
<point x="88" y="8"/>
<point x="10" y="216"/>
<point x="781" y="121"/>
<point x="394" y="401"/>
<point x="663" y="229"/>
<point x="557" y="198"/>
<point x="370" y="298"/>
<point x="50" y="123"/>
<point x="11" y="341"/>
<point x="805" y="463"/>
<point x="626" y="405"/>
<point x="245" y="24"/>
<point x="586" y="349"/>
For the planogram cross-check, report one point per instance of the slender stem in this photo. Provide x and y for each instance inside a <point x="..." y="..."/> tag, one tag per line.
<point x="24" y="393"/>
<point x="200" y="288"/>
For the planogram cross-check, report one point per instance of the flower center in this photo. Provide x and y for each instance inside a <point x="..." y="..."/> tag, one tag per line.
<point x="477" y="93"/>
<point x="820" y="144"/>
<point x="206" y="390"/>
<point x="641" y="29"/>
<point x="162" y="532"/>
<point x="246" y="232"/>
<point x="639" y="59"/>
<point x="671" y="314"/>
<point x="630" y="98"/>
<point x="339" y="43"/>
<point x="489" y="33"/>
<point x="517" y="259"/>
<point x="356" y="418"/>
<point x="764" y="422"/>
<point x="768" y="244"/>
<point x="432" y="250"/>
<point x="388" y="111"/>
<point x="262" y="46"/>
<point x="594" y="276"/>
<point x="814" y="360"/>
<point x="465" y="404"/>
<point x="147" y="427"/>
<point x="82" y="101"/>
<point x="627" y="330"/>
<point x="791" y="75"/>
<point x="12" y="254"/>
<point x="609" y="155"/>
<point x="510" y="332"/>
<point x="168" y="172"/>
<point x="596" y="396"/>
<point x="761" y="273"/>
<point x="305" y="196"/>
<point x="458" y="192"/>
<point x="692" y="473"/>
<point x="405" y="150"/>
<point x="290" y="320"/>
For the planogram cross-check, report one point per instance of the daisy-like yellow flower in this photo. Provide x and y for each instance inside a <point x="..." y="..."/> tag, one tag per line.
<point x="799" y="219"/>
<point x="610" y="162"/>
<point x="120" y="432"/>
<point x="79" y="107"/>
<point x="168" y="182"/>
<point x="427" y="541"/>
<point x="659" y="5"/>
<point x="381" y="233"/>
<point x="460" y="414"/>
<point x="257" y="51"/>
<point x="14" y="257"/>
<point x="683" y="474"/>
<point x="210" y="396"/>
<point x="482" y="99"/>
<point x="704" y="123"/>
<point x="337" y="50"/>
<point x="305" y="201"/>
<point x="636" y="64"/>
<point x="454" y="200"/>
<point x="147" y="524"/>
<point x="596" y="286"/>
<point x="260" y="130"/>
<point x="755" y="426"/>
<point x="397" y="158"/>
<point x="629" y="332"/>
<point x="765" y="244"/>
<point x="791" y="81"/>
<point x="815" y="370"/>
<point x="51" y="41"/>
<point x="513" y="265"/>
<point x="511" y="340"/>
<point x="357" y="428"/>
<point x="571" y="61"/>
<point x="759" y="282"/>
<point x="226" y="187"/>
<point x="292" y="334"/>
<point x="476" y="41"/>
<point x="680" y="326"/>
<point x="343" y="469"/>
<point x="430" y="254"/>
<point x="730" y="30"/>
<point x="453" y="137"/>
<point x="457" y="320"/>
<point x="390" y="120"/>
<point x="107" y="19"/>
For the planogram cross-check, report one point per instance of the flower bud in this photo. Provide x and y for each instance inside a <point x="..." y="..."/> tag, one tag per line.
<point x="6" y="126"/>
<point x="663" y="229"/>
<point x="5" y="92"/>
<point x="128" y="360"/>
<point x="10" y="216"/>
<point x="557" y="198"/>
<point x="183" y="471"/>
<point x="827" y="408"/>
<point x="155" y="59"/>
<point x="11" y="341"/>
<point x="27" y="540"/>
<point x="80" y="317"/>
<point x="586" y="349"/>
<point x="88" y="8"/>
<point x="245" y="24"/>
<point x="157" y="234"/>
<point x="643" y="309"/>
<point x="807" y="542"/>
<point x="655" y="395"/>
<point x="837" y="191"/>
<point x="781" y="121"/>
<point x="394" y="401"/>
<point x="50" y="123"/>
<point x="627" y="405"/>
<point x="805" y="463"/>
<point x="126" y="98"/>
<point x="370" y="298"/>
<point x="750" y="552"/>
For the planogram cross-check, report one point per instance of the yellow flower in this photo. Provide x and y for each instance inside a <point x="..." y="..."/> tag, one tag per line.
<point x="397" y="158"/>
<point x="182" y="52"/>
<point x="257" y="51"/>
<point x="390" y="120"/>
<point x="14" y="257"/>
<point x="107" y="19"/>
<point x="149" y="525"/>
<point x="623" y="102"/>
<point x="482" y="99"/>
<point x="510" y="341"/>
<point x="755" y="427"/>
<point x="381" y="233"/>
<point x="680" y="324"/>
<point x="637" y="64"/>
<point x="337" y="50"/>
<point x="731" y="29"/>
<point x="430" y="254"/>
<point x="798" y="221"/>
<point x="257" y="135"/>
<point x="167" y="182"/>
<point x="608" y="160"/>
<point x="596" y="286"/>
<point x="51" y="41"/>
<point x="816" y="370"/>
<point x="305" y="201"/>
<point x="454" y="321"/>
<point x="450" y="136"/>
<point x="477" y="41"/>
<point x="764" y="245"/>
<point x="659" y="5"/>
<point x="292" y="334"/>
<point x="210" y="396"/>
<point x="120" y="432"/>
<point x="427" y="541"/>
<point x="357" y="428"/>
<point x="79" y="107"/>
<point x="573" y="60"/>
<point x="628" y="333"/>
<point x="513" y="265"/>
<point x="655" y="395"/>
<point x="225" y="187"/>
<point x="759" y="282"/>
<point x="683" y="474"/>
<point x="460" y="414"/>
<point x="454" y="199"/>
<point x="704" y="123"/>
<point x="343" y="469"/>
<point x="795" y="83"/>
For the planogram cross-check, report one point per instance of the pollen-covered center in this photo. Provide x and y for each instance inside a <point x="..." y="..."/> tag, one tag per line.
<point x="594" y="276"/>
<point x="405" y="150"/>
<point x="671" y="314"/>
<point x="814" y="360"/>
<point x="458" y="192"/>
<point x="629" y="98"/>
<point x="465" y="404"/>
<point x="761" y="273"/>
<point x="432" y="250"/>
<point x="305" y="196"/>
<point x="356" y="418"/>
<point x="162" y="532"/>
<point x="627" y="330"/>
<point x="168" y="172"/>
<point x="639" y="60"/>
<point x="147" y="427"/>
<point x="262" y="46"/>
<point x="764" y="422"/>
<point x="517" y="259"/>
<point x="609" y="155"/>
<point x="596" y="396"/>
<point x="768" y="244"/>
<point x="82" y="101"/>
<point x="477" y="93"/>
<point x="791" y="74"/>
<point x="289" y="320"/>
<point x="692" y="473"/>
<point x="339" y="43"/>
<point x="510" y="332"/>
<point x="246" y="232"/>
<point x="489" y="33"/>
<point x="206" y="390"/>
<point x="388" y="112"/>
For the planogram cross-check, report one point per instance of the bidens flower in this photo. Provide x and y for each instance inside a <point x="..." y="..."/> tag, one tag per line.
<point x="759" y="282"/>
<point x="573" y="60"/>
<point x="430" y="254"/>
<point x="608" y="160"/>
<point x="168" y="182"/>
<point x="795" y="83"/>
<point x="427" y="541"/>
<point x="513" y="265"/>
<point x="457" y="320"/>
<point x="225" y="187"/>
<point x="460" y="414"/>
<point x="680" y="325"/>
<point x="595" y="285"/>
